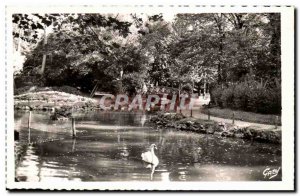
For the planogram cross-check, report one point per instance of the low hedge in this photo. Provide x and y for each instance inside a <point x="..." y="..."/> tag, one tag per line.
<point x="248" y="96"/>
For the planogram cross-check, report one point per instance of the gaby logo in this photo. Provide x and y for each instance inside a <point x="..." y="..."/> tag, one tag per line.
<point x="271" y="173"/>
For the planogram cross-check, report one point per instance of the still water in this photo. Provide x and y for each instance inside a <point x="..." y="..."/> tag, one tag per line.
<point x="109" y="145"/>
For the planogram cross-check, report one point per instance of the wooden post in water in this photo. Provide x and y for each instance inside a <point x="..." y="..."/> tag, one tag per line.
<point x="28" y="103"/>
<point x="233" y="118"/>
<point x="29" y="124"/>
<point x="29" y="119"/>
<point x="73" y="128"/>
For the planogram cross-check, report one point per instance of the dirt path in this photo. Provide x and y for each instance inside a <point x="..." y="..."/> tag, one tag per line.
<point x="239" y="123"/>
<point x="205" y="100"/>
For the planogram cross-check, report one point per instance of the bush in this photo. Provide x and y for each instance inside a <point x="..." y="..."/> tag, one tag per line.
<point x="132" y="83"/>
<point x="254" y="99"/>
<point x="227" y="97"/>
<point x="249" y="96"/>
<point x="66" y="89"/>
<point x="216" y="95"/>
<point x="187" y="88"/>
<point x="269" y="101"/>
<point x="241" y="96"/>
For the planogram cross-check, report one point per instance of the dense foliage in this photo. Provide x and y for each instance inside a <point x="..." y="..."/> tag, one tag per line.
<point x="238" y="55"/>
<point x="249" y="96"/>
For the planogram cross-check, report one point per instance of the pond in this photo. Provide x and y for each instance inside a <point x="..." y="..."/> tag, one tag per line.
<point x="109" y="145"/>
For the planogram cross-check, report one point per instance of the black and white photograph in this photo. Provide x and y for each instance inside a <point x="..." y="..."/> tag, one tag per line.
<point x="167" y="99"/>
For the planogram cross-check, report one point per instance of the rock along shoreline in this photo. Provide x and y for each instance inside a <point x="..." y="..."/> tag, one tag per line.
<point x="180" y="122"/>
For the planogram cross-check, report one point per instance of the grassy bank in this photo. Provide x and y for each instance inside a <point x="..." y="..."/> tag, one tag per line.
<point x="46" y="100"/>
<point x="32" y="89"/>
<point x="243" y="116"/>
<point x="220" y="129"/>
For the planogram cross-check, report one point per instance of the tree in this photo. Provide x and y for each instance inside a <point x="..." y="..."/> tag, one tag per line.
<point x="90" y="53"/>
<point x="194" y="48"/>
<point x="154" y="33"/>
<point x="124" y="52"/>
<point x="27" y="26"/>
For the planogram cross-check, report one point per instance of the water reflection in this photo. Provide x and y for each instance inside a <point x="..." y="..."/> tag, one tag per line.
<point x="165" y="176"/>
<point x="29" y="141"/>
<point x="74" y="143"/>
<point x="103" y="153"/>
<point x="143" y="119"/>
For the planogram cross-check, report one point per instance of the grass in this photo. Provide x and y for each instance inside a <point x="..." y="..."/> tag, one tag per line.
<point x="243" y="116"/>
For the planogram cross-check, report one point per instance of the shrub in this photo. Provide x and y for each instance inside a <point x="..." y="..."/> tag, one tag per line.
<point x="253" y="100"/>
<point x="241" y="96"/>
<point x="187" y="88"/>
<point x="227" y="97"/>
<point x="249" y="96"/>
<point x="216" y="94"/>
<point x="67" y="89"/>
<point x="132" y="83"/>
<point x="269" y="101"/>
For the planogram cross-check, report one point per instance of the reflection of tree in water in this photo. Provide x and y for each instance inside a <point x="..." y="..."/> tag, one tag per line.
<point x="30" y="163"/>
<point x="183" y="149"/>
<point x="20" y="151"/>
<point x="19" y="114"/>
<point x="142" y="119"/>
<point x="206" y="149"/>
<point x="132" y="119"/>
<point x="108" y="154"/>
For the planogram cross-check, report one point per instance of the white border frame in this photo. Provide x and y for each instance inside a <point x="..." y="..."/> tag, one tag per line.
<point x="287" y="66"/>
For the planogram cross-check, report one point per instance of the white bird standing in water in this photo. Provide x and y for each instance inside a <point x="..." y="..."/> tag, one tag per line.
<point x="151" y="158"/>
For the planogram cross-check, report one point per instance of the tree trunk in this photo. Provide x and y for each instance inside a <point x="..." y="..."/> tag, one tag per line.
<point x="177" y="104"/>
<point x="218" y="20"/>
<point x="19" y="41"/>
<point x="222" y="71"/>
<point x="94" y="89"/>
<point x="44" y="55"/>
<point x="18" y="51"/>
<point x="275" y="43"/>
<point x="193" y="86"/>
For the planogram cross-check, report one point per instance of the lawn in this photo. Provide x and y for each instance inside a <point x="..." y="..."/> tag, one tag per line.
<point x="242" y="115"/>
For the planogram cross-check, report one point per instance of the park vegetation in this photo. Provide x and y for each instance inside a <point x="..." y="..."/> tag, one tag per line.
<point x="236" y="55"/>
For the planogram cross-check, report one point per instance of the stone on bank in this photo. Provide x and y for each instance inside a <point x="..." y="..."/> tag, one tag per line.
<point x="180" y="122"/>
